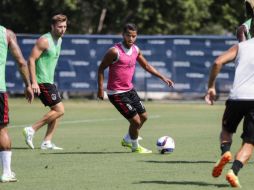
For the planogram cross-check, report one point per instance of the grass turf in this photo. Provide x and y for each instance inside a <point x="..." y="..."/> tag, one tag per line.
<point x="90" y="133"/>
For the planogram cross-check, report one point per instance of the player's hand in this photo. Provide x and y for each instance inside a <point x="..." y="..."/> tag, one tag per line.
<point x="169" y="82"/>
<point x="210" y="96"/>
<point x="29" y="94"/>
<point x="100" y="94"/>
<point x="36" y="88"/>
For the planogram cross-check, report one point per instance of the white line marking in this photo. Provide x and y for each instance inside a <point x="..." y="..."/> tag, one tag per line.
<point x="85" y="121"/>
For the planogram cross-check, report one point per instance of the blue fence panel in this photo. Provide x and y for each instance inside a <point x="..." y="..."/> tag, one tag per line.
<point x="185" y="59"/>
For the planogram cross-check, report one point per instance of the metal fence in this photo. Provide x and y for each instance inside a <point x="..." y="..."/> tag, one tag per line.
<point x="185" y="59"/>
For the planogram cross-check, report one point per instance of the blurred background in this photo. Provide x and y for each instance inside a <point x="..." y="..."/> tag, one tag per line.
<point x="181" y="38"/>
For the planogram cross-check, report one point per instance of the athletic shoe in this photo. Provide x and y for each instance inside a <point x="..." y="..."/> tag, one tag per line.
<point x="218" y="167"/>
<point x="233" y="179"/>
<point x="28" y="133"/>
<point x="141" y="150"/>
<point x="50" y="146"/>
<point x="126" y="144"/>
<point x="8" y="178"/>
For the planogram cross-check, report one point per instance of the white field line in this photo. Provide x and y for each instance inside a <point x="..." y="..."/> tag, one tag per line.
<point x="85" y="121"/>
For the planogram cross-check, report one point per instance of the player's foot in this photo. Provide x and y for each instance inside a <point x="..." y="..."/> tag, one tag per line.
<point x="28" y="133"/>
<point x="50" y="146"/>
<point x="141" y="150"/>
<point x="218" y="167"/>
<point x="124" y="143"/>
<point x="8" y="178"/>
<point x="233" y="179"/>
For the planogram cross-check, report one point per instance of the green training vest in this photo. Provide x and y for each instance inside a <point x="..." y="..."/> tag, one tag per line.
<point x="46" y="63"/>
<point x="3" y="57"/>
<point x="248" y="26"/>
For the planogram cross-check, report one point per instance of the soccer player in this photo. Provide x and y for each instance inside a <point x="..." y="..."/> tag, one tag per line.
<point x="42" y="63"/>
<point x="240" y="105"/>
<point x="8" y="41"/>
<point x="245" y="31"/>
<point x="121" y="60"/>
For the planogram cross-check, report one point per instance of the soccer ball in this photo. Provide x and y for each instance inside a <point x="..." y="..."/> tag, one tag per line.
<point x="165" y="144"/>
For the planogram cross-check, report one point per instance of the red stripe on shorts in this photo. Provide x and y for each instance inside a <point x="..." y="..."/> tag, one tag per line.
<point x="6" y="108"/>
<point x="123" y="106"/>
<point x="46" y="93"/>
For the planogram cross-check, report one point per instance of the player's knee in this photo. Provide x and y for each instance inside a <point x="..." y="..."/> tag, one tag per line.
<point x="136" y="122"/>
<point x="143" y="118"/>
<point x="61" y="112"/>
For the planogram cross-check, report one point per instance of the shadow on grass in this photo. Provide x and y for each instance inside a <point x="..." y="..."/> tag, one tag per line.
<point x="180" y="162"/>
<point x="196" y="183"/>
<point x="20" y="148"/>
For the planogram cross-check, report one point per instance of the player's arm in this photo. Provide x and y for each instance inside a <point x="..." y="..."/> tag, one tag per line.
<point x="149" y="68"/>
<point x="22" y="65"/>
<point x="40" y="46"/>
<point x="108" y="59"/>
<point x="223" y="59"/>
<point x="241" y="33"/>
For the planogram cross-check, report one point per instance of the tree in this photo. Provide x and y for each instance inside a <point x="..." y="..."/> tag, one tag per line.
<point x="191" y="17"/>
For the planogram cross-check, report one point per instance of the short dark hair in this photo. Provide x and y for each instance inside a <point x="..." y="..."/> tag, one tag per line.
<point x="58" y="18"/>
<point x="129" y="26"/>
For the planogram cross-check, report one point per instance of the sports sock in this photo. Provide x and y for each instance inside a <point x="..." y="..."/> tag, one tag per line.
<point x="225" y="147"/>
<point x="237" y="165"/>
<point x="31" y="130"/>
<point x="127" y="138"/>
<point x="6" y="162"/>
<point x="46" y="142"/>
<point x="134" y="143"/>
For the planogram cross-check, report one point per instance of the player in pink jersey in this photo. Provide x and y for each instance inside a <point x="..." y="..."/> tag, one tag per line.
<point x="121" y="60"/>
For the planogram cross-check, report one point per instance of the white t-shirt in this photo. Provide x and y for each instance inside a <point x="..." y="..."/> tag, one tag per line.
<point x="243" y="86"/>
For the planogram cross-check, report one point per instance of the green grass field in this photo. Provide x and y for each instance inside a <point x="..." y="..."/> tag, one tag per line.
<point x="90" y="133"/>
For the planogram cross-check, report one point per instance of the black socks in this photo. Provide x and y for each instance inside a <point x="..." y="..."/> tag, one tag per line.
<point x="237" y="165"/>
<point x="225" y="147"/>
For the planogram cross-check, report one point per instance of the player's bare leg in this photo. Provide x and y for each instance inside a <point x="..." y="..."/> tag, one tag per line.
<point x="50" y="118"/>
<point x="5" y="156"/>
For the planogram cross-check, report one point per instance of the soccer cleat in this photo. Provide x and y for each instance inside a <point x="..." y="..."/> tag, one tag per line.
<point x="233" y="179"/>
<point x="141" y="150"/>
<point x="8" y="178"/>
<point x="29" y="135"/>
<point x="218" y="167"/>
<point x="124" y="143"/>
<point x="50" y="146"/>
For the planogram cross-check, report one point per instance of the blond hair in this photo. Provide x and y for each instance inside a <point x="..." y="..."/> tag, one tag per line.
<point x="58" y="18"/>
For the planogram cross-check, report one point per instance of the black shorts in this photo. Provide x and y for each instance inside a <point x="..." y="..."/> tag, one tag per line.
<point x="4" y="109"/>
<point x="127" y="103"/>
<point x="234" y="112"/>
<point x="49" y="95"/>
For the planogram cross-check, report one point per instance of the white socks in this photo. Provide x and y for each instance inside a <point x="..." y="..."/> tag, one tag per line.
<point x="46" y="142"/>
<point x="134" y="142"/>
<point x="31" y="130"/>
<point x="6" y="162"/>
<point x="127" y="138"/>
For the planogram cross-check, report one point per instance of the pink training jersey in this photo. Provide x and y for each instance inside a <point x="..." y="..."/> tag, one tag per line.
<point x="121" y="72"/>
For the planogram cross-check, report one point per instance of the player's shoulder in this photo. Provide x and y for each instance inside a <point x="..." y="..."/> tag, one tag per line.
<point x="136" y="47"/>
<point x="42" y="42"/>
<point x="113" y="50"/>
<point x="10" y="35"/>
